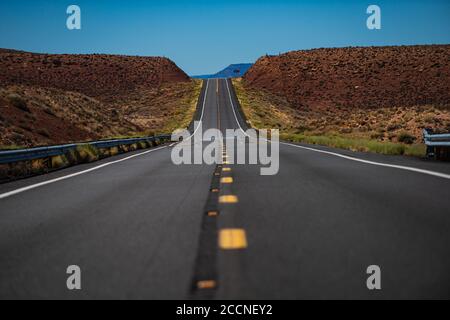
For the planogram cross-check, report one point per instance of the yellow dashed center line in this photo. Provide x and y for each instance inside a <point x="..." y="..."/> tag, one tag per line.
<point x="213" y="213"/>
<point x="226" y="170"/>
<point x="229" y="199"/>
<point x="226" y="180"/>
<point x="207" y="284"/>
<point x="232" y="239"/>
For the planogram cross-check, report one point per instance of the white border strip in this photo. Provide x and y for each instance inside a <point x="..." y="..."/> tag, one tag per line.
<point x="37" y="185"/>
<point x="34" y="186"/>
<point x="203" y="111"/>
<point x="380" y="164"/>
<point x="233" y="107"/>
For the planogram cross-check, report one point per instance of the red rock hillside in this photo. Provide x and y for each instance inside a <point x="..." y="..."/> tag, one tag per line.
<point x="51" y="99"/>
<point x="371" y="77"/>
<point x="98" y="76"/>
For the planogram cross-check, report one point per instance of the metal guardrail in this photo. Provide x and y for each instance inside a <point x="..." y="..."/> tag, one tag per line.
<point x="11" y="156"/>
<point x="438" y="145"/>
<point x="436" y="140"/>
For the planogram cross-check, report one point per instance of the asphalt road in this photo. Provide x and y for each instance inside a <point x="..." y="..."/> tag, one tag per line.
<point x="138" y="227"/>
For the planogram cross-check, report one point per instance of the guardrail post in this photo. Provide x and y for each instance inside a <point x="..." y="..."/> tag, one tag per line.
<point x="431" y="152"/>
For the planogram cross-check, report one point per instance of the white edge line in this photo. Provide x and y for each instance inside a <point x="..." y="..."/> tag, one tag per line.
<point x="233" y="107"/>
<point x="37" y="185"/>
<point x="380" y="164"/>
<point x="203" y="111"/>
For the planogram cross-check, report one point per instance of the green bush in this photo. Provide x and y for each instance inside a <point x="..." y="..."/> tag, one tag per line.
<point x="405" y="137"/>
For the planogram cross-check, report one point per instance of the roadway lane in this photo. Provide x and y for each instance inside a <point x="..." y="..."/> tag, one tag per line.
<point x="138" y="228"/>
<point x="133" y="227"/>
<point x="313" y="229"/>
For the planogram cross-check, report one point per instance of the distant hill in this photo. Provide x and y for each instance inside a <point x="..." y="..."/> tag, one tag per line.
<point x="51" y="99"/>
<point x="96" y="75"/>
<point x="366" y="77"/>
<point x="382" y="93"/>
<point x="232" y="71"/>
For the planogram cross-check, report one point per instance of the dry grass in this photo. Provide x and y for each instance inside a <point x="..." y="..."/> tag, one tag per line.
<point x="82" y="154"/>
<point x="184" y="113"/>
<point x="396" y="130"/>
<point x="56" y="117"/>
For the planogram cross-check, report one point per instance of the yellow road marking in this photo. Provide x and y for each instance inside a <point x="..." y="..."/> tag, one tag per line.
<point x="226" y="170"/>
<point x="226" y="180"/>
<point x="213" y="213"/>
<point x="232" y="239"/>
<point x="206" y="284"/>
<point x="229" y="199"/>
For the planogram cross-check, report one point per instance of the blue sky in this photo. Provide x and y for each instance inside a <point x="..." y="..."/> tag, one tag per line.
<point x="205" y="36"/>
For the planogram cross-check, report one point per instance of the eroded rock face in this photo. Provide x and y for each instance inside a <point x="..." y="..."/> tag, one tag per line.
<point x="53" y="99"/>
<point x="99" y="76"/>
<point x="372" y="77"/>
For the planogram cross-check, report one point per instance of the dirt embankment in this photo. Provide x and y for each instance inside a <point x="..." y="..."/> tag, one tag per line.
<point x="370" y="77"/>
<point x="380" y="93"/>
<point x="48" y="99"/>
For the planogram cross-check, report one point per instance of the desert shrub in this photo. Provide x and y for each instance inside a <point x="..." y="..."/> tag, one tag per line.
<point x="87" y="153"/>
<point x="142" y="145"/>
<point x="30" y="116"/>
<point x="377" y="135"/>
<point x="429" y="118"/>
<point x="17" y="137"/>
<point x="405" y="137"/>
<point x="25" y="127"/>
<point x="392" y="136"/>
<point x="393" y="127"/>
<point x="59" y="162"/>
<point x="72" y="157"/>
<point x="57" y="62"/>
<point x="43" y="132"/>
<point x="38" y="166"/>
<point x="114" y="151"/>
<point x="50" y="112"/>
<point x="18" y="102"/>
<point x="115" y="113"/>
<point x="346" y="130"/>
